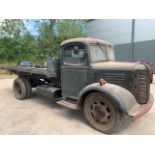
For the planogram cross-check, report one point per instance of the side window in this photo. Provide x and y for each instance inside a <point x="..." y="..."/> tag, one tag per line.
<point x="75" y="54"/>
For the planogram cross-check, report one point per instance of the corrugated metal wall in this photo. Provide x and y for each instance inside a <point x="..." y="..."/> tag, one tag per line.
<point x="119" y="32"/>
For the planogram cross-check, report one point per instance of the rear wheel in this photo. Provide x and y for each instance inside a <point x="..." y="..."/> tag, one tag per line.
<point x="22" y="88"/>
<point x="28" y="87"/>
<point x="101" y="113"/>
<point x="19" y="89"/>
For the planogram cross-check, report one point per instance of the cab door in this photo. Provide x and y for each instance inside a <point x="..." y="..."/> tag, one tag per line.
<point x="73" y="69"/>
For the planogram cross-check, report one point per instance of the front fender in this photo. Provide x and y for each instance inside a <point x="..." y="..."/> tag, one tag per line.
<point x="118" y="95"/>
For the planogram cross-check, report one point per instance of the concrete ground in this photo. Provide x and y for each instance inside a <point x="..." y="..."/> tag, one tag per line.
<point x="39" y="116"/>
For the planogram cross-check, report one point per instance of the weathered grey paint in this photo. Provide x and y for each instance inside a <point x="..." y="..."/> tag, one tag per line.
<point x="75" y="77"/>
<point x="73" y="80"/>
<point x="123" y="98"/>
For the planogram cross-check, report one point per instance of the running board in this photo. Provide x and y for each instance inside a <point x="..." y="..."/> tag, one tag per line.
<point x="68" y="104"/>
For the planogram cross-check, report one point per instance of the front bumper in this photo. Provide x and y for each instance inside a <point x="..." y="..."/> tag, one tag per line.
<point x="140" y="110"/>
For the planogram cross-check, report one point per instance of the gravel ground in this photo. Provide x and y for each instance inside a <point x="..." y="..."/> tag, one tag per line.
<point x="39" y="116"/>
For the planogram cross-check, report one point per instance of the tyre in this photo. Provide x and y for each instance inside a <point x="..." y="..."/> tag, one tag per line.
<point x="101" y="113"/>
<point x="28" y="88"/>
<point x="19" y="89"/>
<point x="22" y="88"/>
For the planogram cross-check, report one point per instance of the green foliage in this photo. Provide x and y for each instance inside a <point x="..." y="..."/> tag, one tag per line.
<point x="11" y="28"/>
<point x="10" y="38"/>
<point x="69" y="29"/>
<point x="46" y="38"/>
<point x="17" y="43"/>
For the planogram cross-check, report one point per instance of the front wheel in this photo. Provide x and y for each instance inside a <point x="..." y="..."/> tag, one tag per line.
<point x="101" y="113"/>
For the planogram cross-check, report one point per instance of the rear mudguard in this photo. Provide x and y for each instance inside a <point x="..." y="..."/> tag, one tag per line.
<point x="118" y="95"/>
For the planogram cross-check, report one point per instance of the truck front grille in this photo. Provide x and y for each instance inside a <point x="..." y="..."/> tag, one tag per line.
<point x="114" y="77"/>
<point x="142" y="87"/>
<point x="121" y="78"/>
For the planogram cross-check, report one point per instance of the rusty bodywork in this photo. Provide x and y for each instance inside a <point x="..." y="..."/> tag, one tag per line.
<point x="76" y="73"/>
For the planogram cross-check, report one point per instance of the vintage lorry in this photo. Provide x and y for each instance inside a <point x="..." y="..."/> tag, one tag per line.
<point x="86" y="76"/>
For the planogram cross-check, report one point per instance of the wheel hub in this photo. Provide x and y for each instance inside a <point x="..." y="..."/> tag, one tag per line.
<point x="100" y="112"/>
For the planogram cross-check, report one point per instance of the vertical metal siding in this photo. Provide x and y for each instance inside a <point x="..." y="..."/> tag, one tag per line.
<point x="146" y="50"/>
<point x="144" y="46"/>
<point x="123" y="52"/>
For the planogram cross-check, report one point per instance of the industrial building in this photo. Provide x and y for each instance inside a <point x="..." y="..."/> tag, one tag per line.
<point x="132" y="38"/>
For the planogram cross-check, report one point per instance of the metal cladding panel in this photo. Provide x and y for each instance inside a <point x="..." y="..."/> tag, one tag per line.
<point x="143" y="49"/>
<point x="117" y="31"/>
<point x="146" y="50"/>
<point x="144" y="29"/>
<point x="122" y="52"/>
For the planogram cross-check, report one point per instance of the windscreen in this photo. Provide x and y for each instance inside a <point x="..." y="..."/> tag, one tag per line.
<point x="100" y="53"/>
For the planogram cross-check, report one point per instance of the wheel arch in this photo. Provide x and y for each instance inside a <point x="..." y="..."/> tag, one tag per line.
<point x="118" y="95"/>
<point x="84" y="94"/>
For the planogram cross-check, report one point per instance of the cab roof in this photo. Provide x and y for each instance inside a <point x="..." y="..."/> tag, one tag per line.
<point x="86" y="41"/>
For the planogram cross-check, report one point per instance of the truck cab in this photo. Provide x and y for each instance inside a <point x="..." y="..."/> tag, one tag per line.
<point x="87" y="77"/>
<point x="86" y="61"/>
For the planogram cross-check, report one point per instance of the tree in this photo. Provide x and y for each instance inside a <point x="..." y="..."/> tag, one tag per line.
<point x="28" y="47"/>
<point x="70" y="29"/>
<point x="10" y="37"/>
<point x="53" y="32"/>
<point x="11" y="28"/>
<point x="17" y="42"/>
<point x="46" y="37"/>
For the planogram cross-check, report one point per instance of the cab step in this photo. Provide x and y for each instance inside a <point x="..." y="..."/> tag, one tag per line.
<point x="68" y="104"/>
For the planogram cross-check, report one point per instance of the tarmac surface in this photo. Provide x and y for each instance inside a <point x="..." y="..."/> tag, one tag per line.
<point x="39" y="116"/>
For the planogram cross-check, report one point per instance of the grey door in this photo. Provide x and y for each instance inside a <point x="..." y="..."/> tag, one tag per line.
<point x="73" y="70"/>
